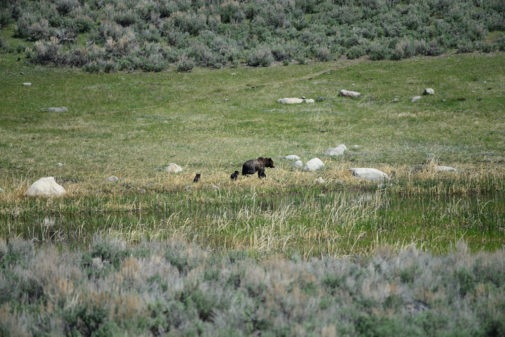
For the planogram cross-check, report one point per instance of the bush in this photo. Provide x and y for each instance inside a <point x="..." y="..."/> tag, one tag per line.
<point x="262" y="56"/>
<point x="185" y="65"/>
<point x="45" y="52"/>
<point x="355" y="52"/>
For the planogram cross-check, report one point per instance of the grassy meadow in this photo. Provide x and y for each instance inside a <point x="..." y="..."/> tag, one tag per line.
<point x="210" y="121"/>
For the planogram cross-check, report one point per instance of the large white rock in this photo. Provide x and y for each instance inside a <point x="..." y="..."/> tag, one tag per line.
<point x="173" y="168"/>
<point x="290" y="100"/>
<point x="292" y="157"/>
<point x="45" y="187"/>
<point x="369" y="174"/>
<point x="415" y="99"/>
<point x="336" y="151"/>
<point x="348" y="93"/>
<point x="441" y="168"/>
<point x="429" y="91"/>
<point x="309" y="100"/>
<point x="313" y="165"/>
<point x="112" y="179"/>
<point x="298" y="164"/>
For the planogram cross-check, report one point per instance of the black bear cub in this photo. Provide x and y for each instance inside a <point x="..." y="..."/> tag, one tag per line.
<point x="197" y="177"/>
<point x="253" y="165"/>
<point x="234" y="175"/>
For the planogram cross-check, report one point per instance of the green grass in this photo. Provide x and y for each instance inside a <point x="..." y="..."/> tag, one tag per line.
<point x="211" y="121"/>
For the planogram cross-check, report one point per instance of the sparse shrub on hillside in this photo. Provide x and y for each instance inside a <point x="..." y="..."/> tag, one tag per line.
<point x="238" y="31"/>
<point x="185" y="65"/>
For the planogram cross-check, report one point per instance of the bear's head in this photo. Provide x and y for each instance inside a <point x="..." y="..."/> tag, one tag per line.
<point x="269" y="162"/>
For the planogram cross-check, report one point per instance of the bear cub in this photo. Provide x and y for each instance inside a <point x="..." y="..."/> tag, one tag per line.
<point x="253" y="165"/>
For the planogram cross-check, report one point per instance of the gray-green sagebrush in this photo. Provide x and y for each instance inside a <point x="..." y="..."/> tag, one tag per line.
<point x="174" y="289"/>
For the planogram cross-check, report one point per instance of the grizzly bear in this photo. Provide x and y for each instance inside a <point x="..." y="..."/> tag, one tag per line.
<point x="261" y="173"/>
<point x="253" y="165"/>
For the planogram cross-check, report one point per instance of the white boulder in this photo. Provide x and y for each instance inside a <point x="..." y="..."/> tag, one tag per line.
<point x="348" y="93"/>
<point x="415" y="99"/>
<point x="429" y="91"/>
<point x="45" y="187"/>
<point x="292" y="157"/>
<point x="441" y="168"/>
<point x="290" y="100"/>
<point x="320" y="180"/>
<point x="336" y="151"/>
<point x="309" y="100"/>
<point x="369" y="174"/>
<point x="298" y="164"/>
<point x="313" y="165"/>
<point x="173" y="168"/>
<point x="27" y="84"/>
<point x="112" y="179"/>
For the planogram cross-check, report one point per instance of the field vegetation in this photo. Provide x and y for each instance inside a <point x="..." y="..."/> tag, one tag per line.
<point x="155" y="254"/>
<point x="154" y="34"/>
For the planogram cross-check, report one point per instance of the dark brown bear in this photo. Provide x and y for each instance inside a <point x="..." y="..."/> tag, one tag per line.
<point x="253" y="165"/>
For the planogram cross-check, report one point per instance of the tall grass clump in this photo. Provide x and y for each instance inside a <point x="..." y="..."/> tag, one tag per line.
<point x="251" y="32"/>
<point x="156" y="288"/>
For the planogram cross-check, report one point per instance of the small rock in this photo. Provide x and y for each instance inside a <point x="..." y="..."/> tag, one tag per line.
<point x="27" y="84"/>
<point x="429" y="91"/>
<point x="415" y="99"/>
<point x="395" y="100"/>
<point x="290" y="100"/>
<point x="48" y="222"/>
<point x="60" y="164"/>
<point x="214" y="187"/>
<point x="336" y="151"/>
<point x="309" y="100"/>
<point x="298" y="164"/>
<point x="348" y="93"/>
<point x="188" y="188"/>
<point x="172" y="168"/>
<point x="355" y="147"/>
<point x="369" y="174"/>
<point x="442" y="168"/>
<point x="1" y="190"/>
<point x="45" y="187"/>
<point x="313" y="165"/>
<point x="57" y="109"/>
<point x="292" y="157"/>
<point x="112" y="179"/>
<point x="320" y="180"/>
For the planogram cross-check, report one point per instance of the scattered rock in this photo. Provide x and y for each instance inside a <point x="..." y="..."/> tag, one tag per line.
<point x="348" y="93"/>
<point x="355" y="147"/>
<point x="298" y="164"/>
<point x="415" y="99"/>
<point x="290" y="100"/>
<point x="48" y="221"/>
<point x="292" y="157"/>
<point x="112" y="179"/>
<point x="27" y="84"/>
<point x="295" y="100"/>
<point x="1" y="190"/>
<point x="172" y="168"/>
<point x="441" y="168"/>
<point x="395" y="100"/>
<point x="57" y="109"/>
<point x="429" y="91"/>
<point x="320" y="180"/>
<point x="336" y="151"/>
<point x="59" y="164"/>
<point x="45" y="187"/>
<point x="369" y="174"/>
<point x="313" y="165"/>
